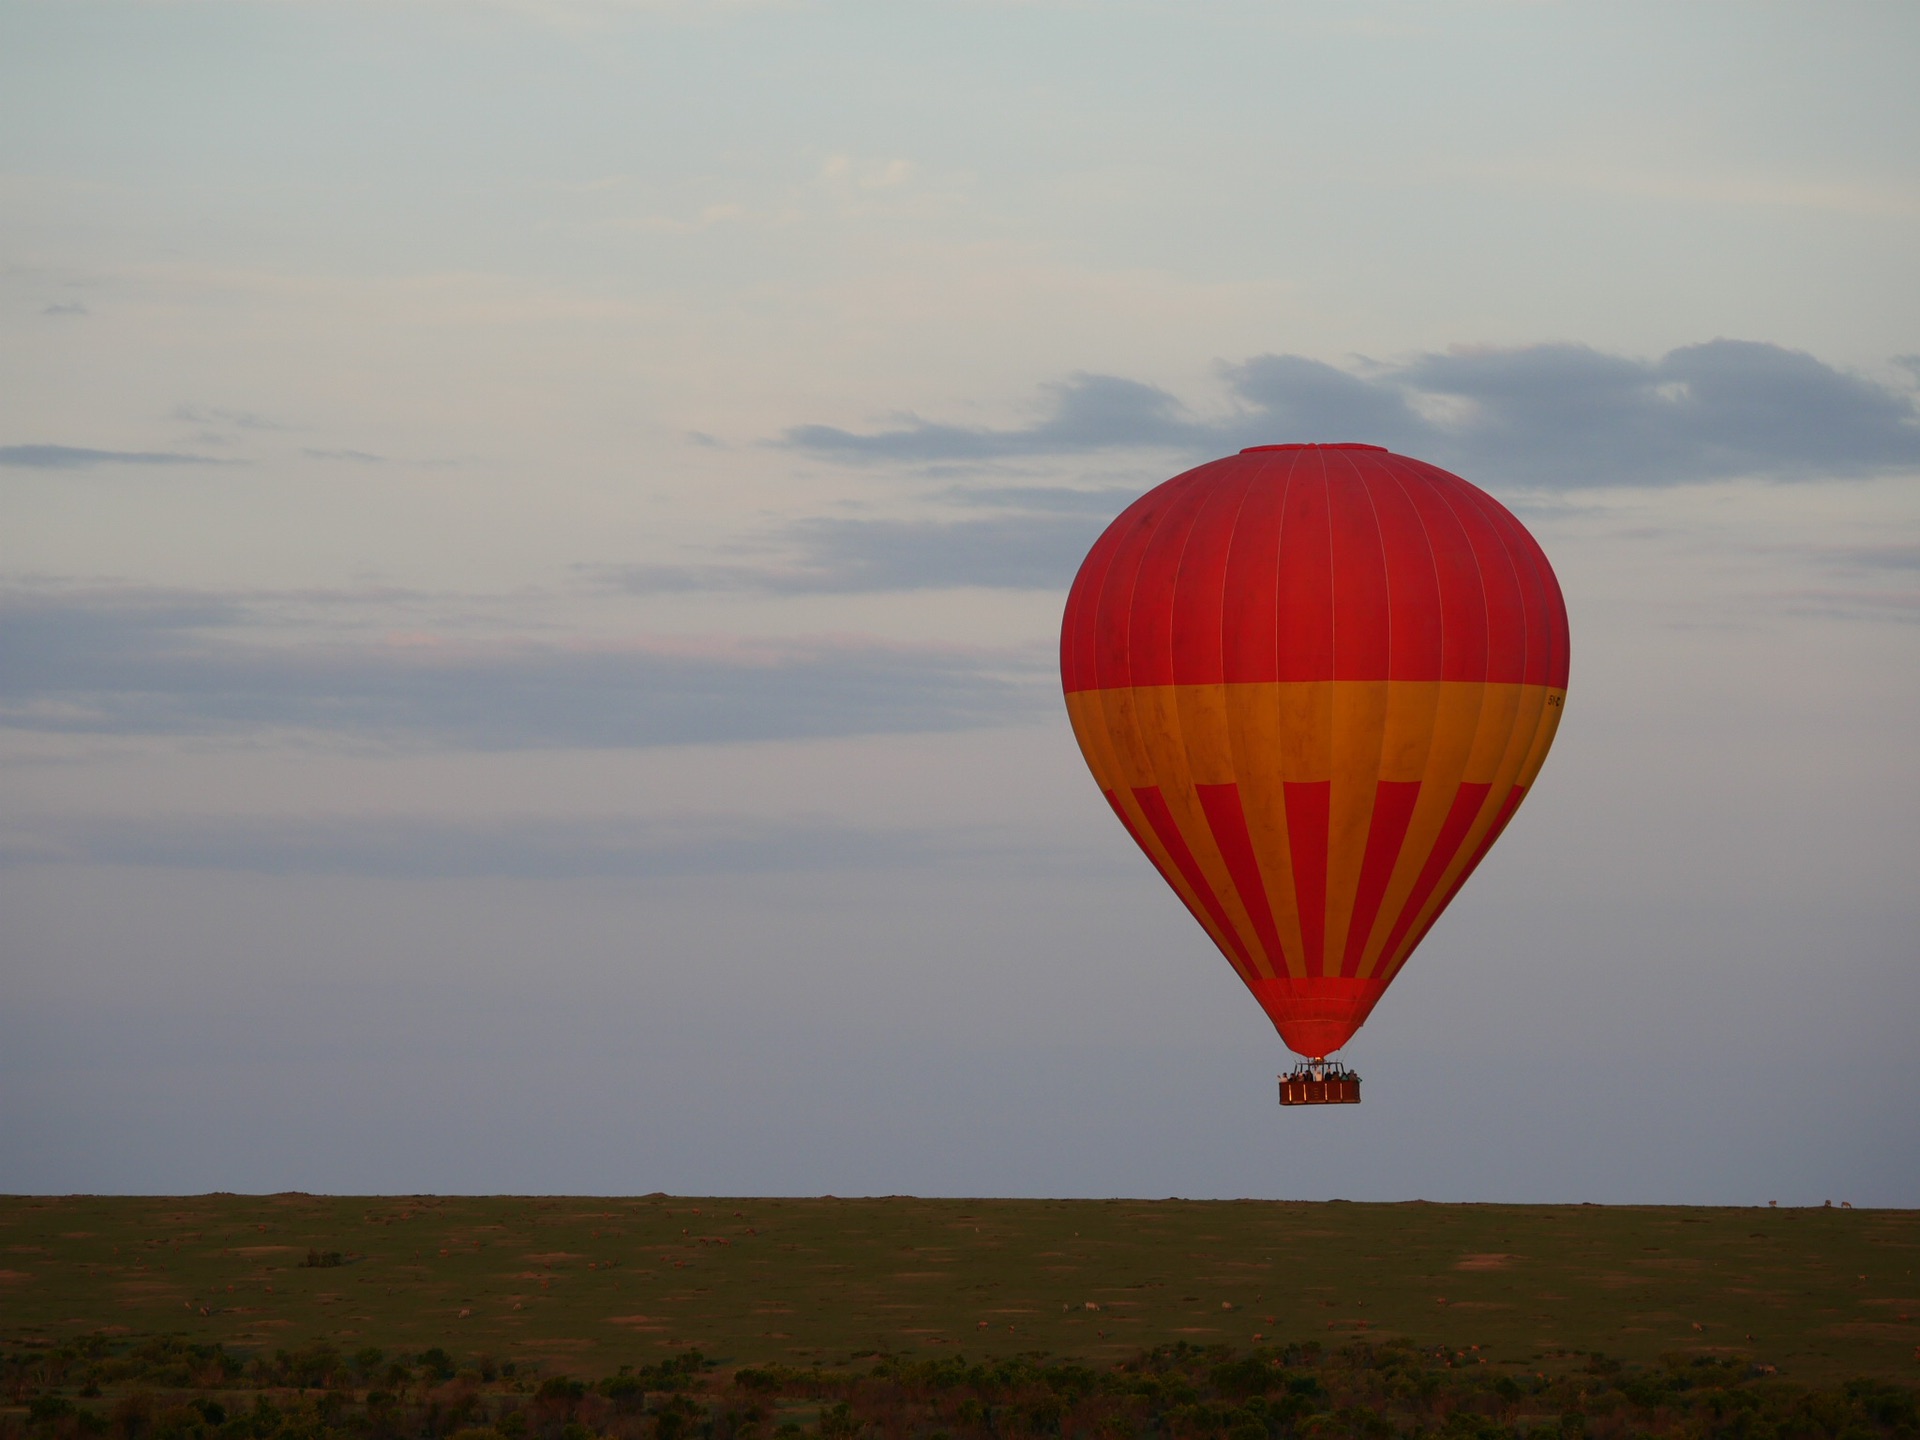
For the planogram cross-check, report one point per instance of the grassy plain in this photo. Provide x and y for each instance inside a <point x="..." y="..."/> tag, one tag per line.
<point x="585" y="1285"/>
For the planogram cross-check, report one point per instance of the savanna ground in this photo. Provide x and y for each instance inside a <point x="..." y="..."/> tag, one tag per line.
<point x="298" y="1317"/>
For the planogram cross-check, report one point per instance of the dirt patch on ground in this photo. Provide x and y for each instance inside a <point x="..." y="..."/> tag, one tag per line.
<point x="1488" y="1261"/>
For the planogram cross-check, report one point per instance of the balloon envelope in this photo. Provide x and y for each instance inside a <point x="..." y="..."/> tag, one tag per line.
<point x="1315" y="682"/>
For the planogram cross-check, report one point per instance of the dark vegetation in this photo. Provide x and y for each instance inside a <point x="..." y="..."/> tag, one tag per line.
<point x="98" y="1388"/>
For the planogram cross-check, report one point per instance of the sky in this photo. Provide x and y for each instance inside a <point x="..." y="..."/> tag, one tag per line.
<point x="532" y="540"/>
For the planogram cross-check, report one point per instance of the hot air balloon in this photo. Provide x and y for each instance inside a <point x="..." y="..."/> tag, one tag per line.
<point x="1315" y="682"/>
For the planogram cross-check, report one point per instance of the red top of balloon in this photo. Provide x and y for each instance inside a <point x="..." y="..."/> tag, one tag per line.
<point x="1314" y="562"/>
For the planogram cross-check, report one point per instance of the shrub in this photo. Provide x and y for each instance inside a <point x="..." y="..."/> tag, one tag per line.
<point x="437" y="1363"/>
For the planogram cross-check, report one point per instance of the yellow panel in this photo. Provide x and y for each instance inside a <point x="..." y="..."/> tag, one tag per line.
<point x="1550" y="712"/>
<point x="1254" y="728"/>
<point x="1498" y="715"/>
<point x="1456" y="723"/>
<point x="1359" y="735"/>
<point x="1524" y="705"/>
<point x="1133" y="766"/>
<point x="1354" y="733"/>
<point x="1306" y="729"/>
<point x="1412" y="707"/>
<point x="1203" y="724"/>
<point x="1169" y="749"/>
<point x="1137" y="747"/>
<point x="1089" y="720"/>
<point x="1530" y="703"/>
<point x="1208" y="740"/>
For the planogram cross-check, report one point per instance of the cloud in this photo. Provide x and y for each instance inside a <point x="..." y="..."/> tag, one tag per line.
<point x="1105" y="502"/>
<point x="73" y="457"/>
<point x="1035" y="544"/>
<point x="1087" y="412"/>
<point x="1870" y="581"/>
<point x="424" y="847"/>
<point x="214" y="415"/>
<point x="1835" y="604"/>
<point x="840" y="557"/>
<point x="1536" y="417"/>
<point x="1566" y="415"/>
<point x="134" y="663"/>
<point x="1874" y="559"/>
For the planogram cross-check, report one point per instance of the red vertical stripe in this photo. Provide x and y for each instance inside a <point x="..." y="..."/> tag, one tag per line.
<point x="1250" y="604"/>
<point x="1546" y="610"/>
<point x="1467" y="801"/>
<point x="1154" y="804"/>
<point x="1150" y="635"/>
<point x="1499" y="584"/>
<point x="1304" y="631"/>
<point x="1535" y="622"/>
<point x="1198" y="603"/>
<point x="1077" y="627"/>
<point x="1359" y="575"/>
<point x="1113" y="615"/>
<point x="1463" y="608"/>
<point x="1559" y="652"/>
<point x="1228" y="821"/>
<point x="1413" y="587"/>
<point x="1392" y="810"/>
<point x="1308" y="803"/>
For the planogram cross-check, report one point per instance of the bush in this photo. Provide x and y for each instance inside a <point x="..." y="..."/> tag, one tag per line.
<point x="1176" y="1392"/>
<point x="437" y="1363"/>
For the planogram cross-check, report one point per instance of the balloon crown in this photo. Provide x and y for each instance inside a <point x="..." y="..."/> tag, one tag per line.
<point x="1314" y="445"/>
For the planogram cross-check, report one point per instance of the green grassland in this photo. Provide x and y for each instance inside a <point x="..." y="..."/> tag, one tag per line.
<point x="585" y="1285"/>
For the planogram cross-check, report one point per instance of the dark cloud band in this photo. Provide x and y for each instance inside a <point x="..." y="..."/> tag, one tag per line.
<point x="526" y="847"/>
<point x="846" y="557"/>
<point x="157" y="665"/>
<point x="1549" y="417"/>
<point x="74" y="457"/>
